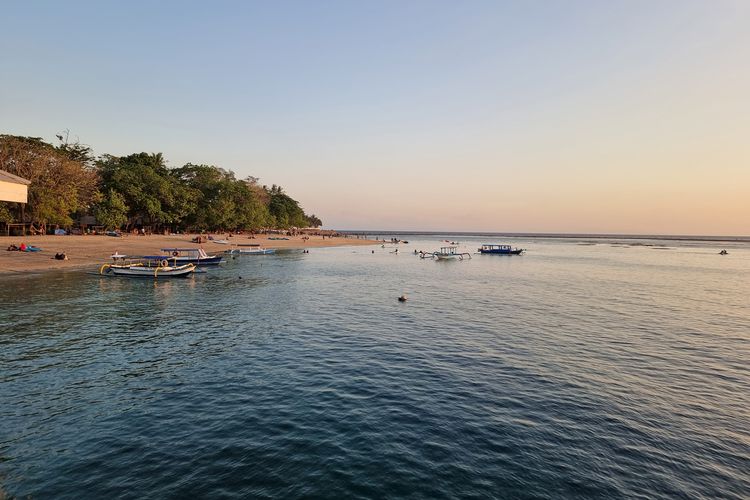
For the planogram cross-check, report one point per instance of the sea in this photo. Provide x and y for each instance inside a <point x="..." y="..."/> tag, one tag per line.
<point x="585" y="368"/>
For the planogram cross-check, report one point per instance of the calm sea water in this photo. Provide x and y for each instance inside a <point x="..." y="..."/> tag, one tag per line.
<point x="611" y="370"/>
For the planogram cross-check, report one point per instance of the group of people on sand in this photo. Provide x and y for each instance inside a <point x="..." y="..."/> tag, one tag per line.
<point x="23" y="247"/>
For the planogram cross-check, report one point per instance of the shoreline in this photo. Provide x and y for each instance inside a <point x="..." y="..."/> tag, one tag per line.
<point x="91" y="250"/>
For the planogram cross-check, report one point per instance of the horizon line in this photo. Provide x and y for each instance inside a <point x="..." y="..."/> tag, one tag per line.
<point x="702" y="237"/>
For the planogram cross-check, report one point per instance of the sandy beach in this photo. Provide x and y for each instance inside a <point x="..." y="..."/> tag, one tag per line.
<point x="91" y="250"/>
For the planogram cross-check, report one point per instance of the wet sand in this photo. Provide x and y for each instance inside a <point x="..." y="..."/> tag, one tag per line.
<point x="85" y="251"/>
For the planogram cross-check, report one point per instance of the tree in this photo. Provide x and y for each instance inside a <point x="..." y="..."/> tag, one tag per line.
<point x="111" y="211"/>
<point x="6" y="214"/>
<point x="75" y="150"/>
<point x="313" y="221"/>
<point x="67" y="180"/>
<point x="61" y="184"/>
<point x="253" y="212"/>
<point x="285" y="209"/>
<point x="147" y="186"/>
<point x="223" y="202"/>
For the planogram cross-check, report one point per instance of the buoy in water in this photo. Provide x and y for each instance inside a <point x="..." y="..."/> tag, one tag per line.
<point x="402" y="298"/>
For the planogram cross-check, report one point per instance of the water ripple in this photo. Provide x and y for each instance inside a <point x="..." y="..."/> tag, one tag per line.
<point x="574" y="371"/>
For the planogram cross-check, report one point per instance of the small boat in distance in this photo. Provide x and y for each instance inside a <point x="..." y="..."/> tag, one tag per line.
<point x="149" y="268"/>
<point x="446" y="253"/>
<point x="196" y="256"/>
<point x="500" y="250"/>
<point x="251" y="251"/>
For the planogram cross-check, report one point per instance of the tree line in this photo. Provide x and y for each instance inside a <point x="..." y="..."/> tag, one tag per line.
<point x="122" y="192"/>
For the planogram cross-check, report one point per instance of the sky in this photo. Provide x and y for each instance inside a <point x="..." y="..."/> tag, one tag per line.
<point x="511" y="116"/>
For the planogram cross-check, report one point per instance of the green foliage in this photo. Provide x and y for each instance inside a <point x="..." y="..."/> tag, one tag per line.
<point x="75" y="150"/>
<point x="140" y="188"/>
<point x="148" y="187"/>
<point x="5" y="212"/>
<point x="313" y="221"/>
<point x="285" y="209"/>
<point x="61" y="184"/>
<point x="111" y="211"/>
<point x="223" y="201"/>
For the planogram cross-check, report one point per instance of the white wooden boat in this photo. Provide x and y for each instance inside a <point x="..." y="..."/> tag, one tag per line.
<point x="251" y="251"/>
<point x="196" y="256"/>
<point x="446" y="253"/>
<point x="148" y="269"/>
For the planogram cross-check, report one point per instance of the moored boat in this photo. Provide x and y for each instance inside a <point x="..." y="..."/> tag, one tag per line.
<point x="148" y="269"/>
<point x="500" y="250"/>
<point x="196" y="256"/>
<point x="446" y="253"/>
<point x="250" y="251"/>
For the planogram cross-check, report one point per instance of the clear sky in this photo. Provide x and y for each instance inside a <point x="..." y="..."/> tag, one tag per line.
<point x="526" y="116"/>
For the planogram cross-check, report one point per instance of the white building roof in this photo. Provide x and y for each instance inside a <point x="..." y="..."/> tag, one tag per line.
<point x="8" y="177"/>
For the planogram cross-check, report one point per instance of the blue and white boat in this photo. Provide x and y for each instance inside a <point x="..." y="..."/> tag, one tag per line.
<point x="500" y="250"/>
<point x="196" y="256"/>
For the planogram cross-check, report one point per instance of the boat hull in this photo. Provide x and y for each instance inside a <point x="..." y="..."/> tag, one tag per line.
<point x="213" y="260"/>
<point x="502" y="252"/>
<point x="251" y="251"/>
<point x="209" y="261"/>
<point x="179" y="256"/>
<point x="138" y="271"/>
<point x="446" y="257"/>
<point x="447" y="253"/>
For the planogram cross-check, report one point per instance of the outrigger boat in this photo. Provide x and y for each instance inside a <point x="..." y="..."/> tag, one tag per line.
<point x="446" y="253"/>
<point x="148" y="268"/>
<point x="251" y="251"/>
<point x="501" y="250"/>
<point x="196" y="256"/>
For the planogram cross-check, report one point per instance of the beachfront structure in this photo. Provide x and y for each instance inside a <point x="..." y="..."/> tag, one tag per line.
<point x="13" y="188"/>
